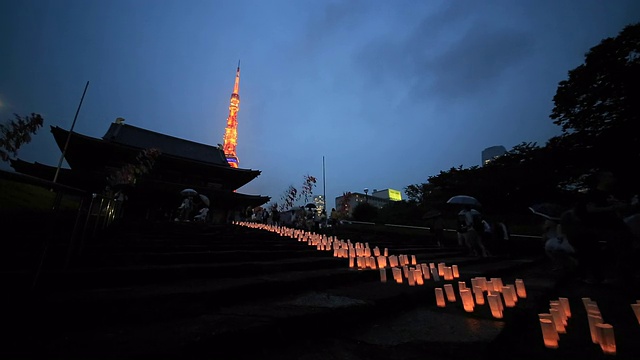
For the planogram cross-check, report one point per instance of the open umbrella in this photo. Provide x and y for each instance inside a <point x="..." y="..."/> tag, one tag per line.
<point x="188" y="192"/>
<point x="431" y="214"/>
<point x="464" y="200"/>
<point x="548" y="210"/>
<point x="204" y="199"/>
<point x="310" y="206"/>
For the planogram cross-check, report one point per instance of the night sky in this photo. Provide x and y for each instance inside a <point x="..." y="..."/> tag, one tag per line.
<point x="388" y="92"/>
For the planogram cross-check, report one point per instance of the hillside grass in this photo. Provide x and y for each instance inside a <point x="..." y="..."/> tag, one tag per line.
<point x="17" y="197"/>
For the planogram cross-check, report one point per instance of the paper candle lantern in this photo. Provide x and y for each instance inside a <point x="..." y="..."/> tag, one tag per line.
<point x="520" y="289"/>
<point x="413" y="260"/>
<point x="461" y="285"/>
<point x="382" y="262"/>
<point x="636" y="310"/>
<point x="386" y="252"/>
<point x="434" y="274"/>
<point x="565" y="306"/>
<point x="448" y="289"/>
<point x="593" y="321"/>
<point x="393" y="261"/>
<point x="448" y="274"/>
<point x="383" y="275"/>
<point x="606" y="338"/>
<point x="440" y="298"/>
<point x="426" y="272"/>
<point x="467" y="300"/>
<point x="549" y="334"/>
<point x="479" y="295"/>
<point x="482" y="282"/>
<point x="508" y="298"/>
<point x="441" y="269"/>
<point x="351" y="261"/>
<point x="550" y="318"/>
<point x="397" y="275"/>
<point x="494" y="305"/>
<point x="557" y="320"/>
<point x="376" y="251"/>
<point x="454" y="269"/>
<point x="555" y="304"/>
<point x="417" y="275"/>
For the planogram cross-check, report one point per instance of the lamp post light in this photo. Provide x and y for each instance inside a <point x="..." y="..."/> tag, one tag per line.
<point x="366" y="191"/>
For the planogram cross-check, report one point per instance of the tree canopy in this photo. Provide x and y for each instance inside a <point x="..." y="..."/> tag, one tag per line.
<point x="16" y="133"/>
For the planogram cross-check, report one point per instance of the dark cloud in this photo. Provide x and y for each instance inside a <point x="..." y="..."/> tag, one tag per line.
<point x="475" y="63"/>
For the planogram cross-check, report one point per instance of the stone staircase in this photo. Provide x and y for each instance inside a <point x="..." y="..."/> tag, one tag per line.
<point x="183" y="291"/>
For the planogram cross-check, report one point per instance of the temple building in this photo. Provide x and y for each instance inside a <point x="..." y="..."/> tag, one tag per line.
<point x="153" y="169"/>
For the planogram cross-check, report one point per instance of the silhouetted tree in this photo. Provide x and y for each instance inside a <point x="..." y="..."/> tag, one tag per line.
<point x="17" y="133"/>
<point x="598" y="106"/>
<point x="364" y="212"/>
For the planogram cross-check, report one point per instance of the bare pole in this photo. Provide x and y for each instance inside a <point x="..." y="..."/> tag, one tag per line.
<point x="64" y="150"/>
<point x="324" y="186"/>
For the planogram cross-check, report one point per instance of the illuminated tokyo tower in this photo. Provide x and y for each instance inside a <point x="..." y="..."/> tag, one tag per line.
<point x="231" y="132"/>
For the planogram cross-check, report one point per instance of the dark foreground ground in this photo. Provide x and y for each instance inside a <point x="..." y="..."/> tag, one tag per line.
<point x="175" y="291"/>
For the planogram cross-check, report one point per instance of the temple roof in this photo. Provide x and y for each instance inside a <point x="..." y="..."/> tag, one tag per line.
<point x="194" y="162"/>
<point x="144" y="139"/>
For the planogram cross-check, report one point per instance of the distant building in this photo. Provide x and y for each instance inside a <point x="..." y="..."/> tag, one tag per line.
<point x="320" y="203"/>
<point x="379" y="199"/>
<point x="491" y="153"/>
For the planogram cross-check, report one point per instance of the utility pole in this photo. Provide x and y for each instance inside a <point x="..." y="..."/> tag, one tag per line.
<point x="64" y="150"/>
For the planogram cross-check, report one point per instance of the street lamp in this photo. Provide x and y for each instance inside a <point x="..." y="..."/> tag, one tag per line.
<point x="366" y="191"/>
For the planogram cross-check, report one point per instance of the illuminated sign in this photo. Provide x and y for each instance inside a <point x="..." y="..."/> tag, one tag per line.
<point x="395" y="195"/>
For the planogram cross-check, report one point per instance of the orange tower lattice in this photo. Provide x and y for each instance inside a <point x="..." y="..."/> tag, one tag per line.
<point x="231" y="132"/>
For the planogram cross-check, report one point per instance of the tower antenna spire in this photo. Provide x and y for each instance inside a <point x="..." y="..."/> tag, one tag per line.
<point x="231" y="131"/>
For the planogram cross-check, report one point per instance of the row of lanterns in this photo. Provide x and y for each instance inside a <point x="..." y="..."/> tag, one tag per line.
<point x="555" y="323"/>
<point x="498" y="295"/>
<point x="405" y="268"/>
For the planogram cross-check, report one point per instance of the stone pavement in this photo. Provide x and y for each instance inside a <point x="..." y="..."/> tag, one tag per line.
<point x="239" y="293"/>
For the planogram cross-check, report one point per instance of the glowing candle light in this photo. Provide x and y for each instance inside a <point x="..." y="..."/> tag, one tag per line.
<point x="382" y="262"/>
<point x="393" y="261"/>
<point x="376" y="251"/>
<point x="417" y="275"/>
<point x="555" y="304"/>
<point x="550" y="318"/>
<point x="383" y="275"/>
<point x="488" y="286"/>
<point x="606" y="338"/>
<point x="494" y="306"/>
<point x="448" y="274"/>
<point x="549" y="334"/>
<point x="456" y="273"/>
<point x="448" y="289"/>
<point x="386" y="252"/>
<point x="479" y="295"/>
<point x="397" y="275"/>
<point x="413" y="260"/>
<point x="426" y="272"/>
<point x="467" y="300"/>
<point x="565" y="306"/>
<point x="462" y="285"/>
<point x="521" y="291"/>
<point x="557" y="320"/>
<point x="440" y="298"/>
<point x="351" y="261"/>
<point x="410" y="278"/>
<point x="593" y="321"/>
<point x="636" y="310"/>
<point x="508" y="299"/>
<point x="441" y="269"/>
<point x="482" y="281"/>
